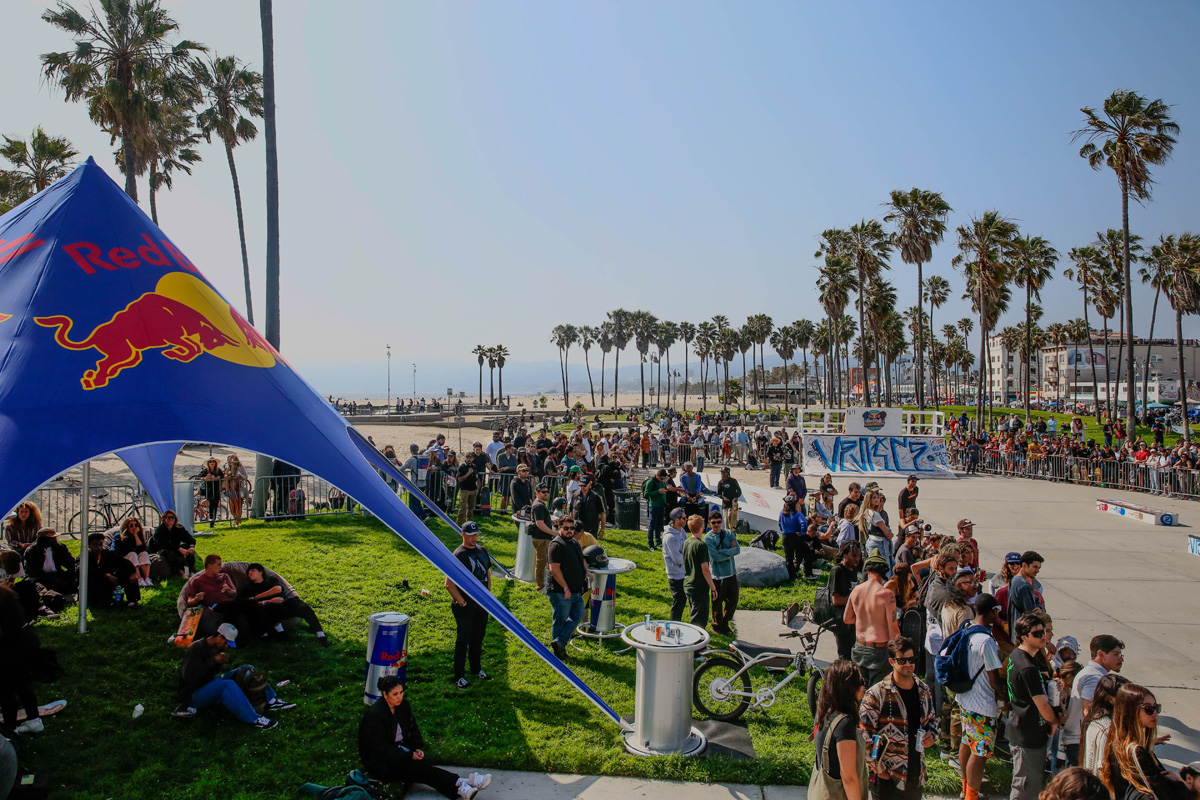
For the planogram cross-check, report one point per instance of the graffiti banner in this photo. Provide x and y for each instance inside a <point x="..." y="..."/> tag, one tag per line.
<point x="882" y="456"/>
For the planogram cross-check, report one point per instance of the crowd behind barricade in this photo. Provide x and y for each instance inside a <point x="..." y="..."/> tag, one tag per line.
<point x="1039" y="449"/>
<point x="932" y="651"/>
<point x="410" y="406"/>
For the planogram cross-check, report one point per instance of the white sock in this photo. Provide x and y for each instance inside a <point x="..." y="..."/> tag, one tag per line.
<point x="320" y="634"/>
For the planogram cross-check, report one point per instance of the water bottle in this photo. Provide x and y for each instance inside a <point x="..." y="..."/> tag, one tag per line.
<point x="138" y="710"/>
<point x="119" y="594"/>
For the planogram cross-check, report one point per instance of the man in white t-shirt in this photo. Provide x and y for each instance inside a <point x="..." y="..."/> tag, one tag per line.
<point x="1108" y="655"/>
<point x="980" y="707"/>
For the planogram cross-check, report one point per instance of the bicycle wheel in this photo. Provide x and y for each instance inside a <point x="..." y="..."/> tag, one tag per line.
<point x="814" y="691"/>
<point x="713" y="686"/>
<point x="97" y="523"/>
<point x="148" y="515"/>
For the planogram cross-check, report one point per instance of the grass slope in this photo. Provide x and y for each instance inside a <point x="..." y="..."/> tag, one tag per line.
<point x="526" y="718"/>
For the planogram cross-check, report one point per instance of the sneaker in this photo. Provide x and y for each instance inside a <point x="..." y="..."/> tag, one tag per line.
<point x="34" y="725"/>
<point x="183" y="712"/>
<point x="323" y="641"/>
<point x="559" y="650"/>
<point x="264" y="724"/>
<point x="461" y="683"/>
<point x="466" y="791"/>
<point x="483" y="676"/>
<point x="479" y="781"/>
<point x="280" y="705"/>
<point x="946" y="755"/>
<point x="46" y="613"/>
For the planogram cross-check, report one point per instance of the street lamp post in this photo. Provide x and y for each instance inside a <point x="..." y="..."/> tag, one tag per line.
<point x="389" y="376"/>
<point x="414" y="383"/>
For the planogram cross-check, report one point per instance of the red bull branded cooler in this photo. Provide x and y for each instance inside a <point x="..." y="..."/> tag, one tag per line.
<point x="387" y="651"/>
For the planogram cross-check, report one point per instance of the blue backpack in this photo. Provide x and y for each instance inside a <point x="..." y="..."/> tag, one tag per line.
<point x="950" y="667"/>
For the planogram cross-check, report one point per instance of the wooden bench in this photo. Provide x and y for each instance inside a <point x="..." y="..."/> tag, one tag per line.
<point x="1151" y="516"/>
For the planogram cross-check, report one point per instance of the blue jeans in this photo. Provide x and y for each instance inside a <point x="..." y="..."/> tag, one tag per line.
<point x="700" y="463"/>
<point x="775" y="468"/>
<point x="654" y="529"/>
<point x="416" y="506"/>
<point x="567" y="614"/>
<point x="885" y="549"/>
<point x="223" y="690"/>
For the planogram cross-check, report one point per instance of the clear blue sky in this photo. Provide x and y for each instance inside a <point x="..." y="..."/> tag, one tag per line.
<point x="446" y="164"/>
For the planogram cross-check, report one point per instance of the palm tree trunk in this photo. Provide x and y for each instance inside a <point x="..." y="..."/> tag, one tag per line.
<point x="685" y="375"/>
<point x="787" y="391"/>
<point x="1187" y="426"/>
<point x="1129" y="424"/>
<point x="567" y="377"/>
<point x="130" y="156"/>
<point x="237" y="201"/>
<point x="272" y="148"/>
<point x="591" y="388"/>
<point x="743" y="380"/>
<point x="1149" y="339"/>
<point x="491" y="385"/>
<point x="603" y="360"/>
<point x="1110" y="404"/>
<point x="1028" y="342"/>
<point x="642" y="370"/>
<point x="1091" y="360"/>
<point x="864" y="351"/>
<point x="1120" y="355"/>
<point x="153" y="194"/>
<point x="481" y="380"/>
<point x="670" y="399"/>
<point x="500" y="381"/>
<point x="806" y="377"/>
<point x="920" y="339"/>
<point x="616" y="379"/>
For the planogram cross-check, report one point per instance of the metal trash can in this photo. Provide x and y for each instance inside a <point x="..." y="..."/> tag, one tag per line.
<point x="387" y="651"/>
<point x="628" y="511"/>
<point x="524" y="568"/>
<point x="662" y="711"/>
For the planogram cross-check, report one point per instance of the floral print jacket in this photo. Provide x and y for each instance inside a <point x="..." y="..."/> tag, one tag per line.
<point x="883" y="713"/>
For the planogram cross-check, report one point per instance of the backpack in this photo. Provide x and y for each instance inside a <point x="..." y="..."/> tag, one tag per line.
<point x="253" y="684"/>
<point x="822" y="605"/>
<point x="951" y="663"/>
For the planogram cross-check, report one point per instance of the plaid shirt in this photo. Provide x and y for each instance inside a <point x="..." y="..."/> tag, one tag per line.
<point x="883" y="713"/>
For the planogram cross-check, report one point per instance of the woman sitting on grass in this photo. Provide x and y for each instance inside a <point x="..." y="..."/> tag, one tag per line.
<point x="390" y="746"/>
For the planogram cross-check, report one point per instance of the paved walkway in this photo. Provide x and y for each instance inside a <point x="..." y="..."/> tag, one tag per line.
<point x="540" y="786"/>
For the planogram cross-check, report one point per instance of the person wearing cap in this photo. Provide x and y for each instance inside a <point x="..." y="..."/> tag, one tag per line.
<point x="521" y="489"/>
<point x="542" y="532"/>
<point x="672" y="551"/>
<point x="200" y="686"/>
<point x="567" y="585"/>
<point x="506" y="465"/>
<point x="723" y="547"/>
<point x="470" y="618"/>
<point x="981" y="706"/>
<point x="730" y="492"/>
<point x="50" y="564"/>
<point x="411" y="469"/>
<point x="471" y="473"/>
<point x="871" y="609"/>
<point x="588" y="509"/>
<point x="966" y="534"/>
<point x="908" y="495"/>
<point x="795" y="483"/>
<point x="574" y="473"/>
<point x="655" y="492"/>
<point x="775" y="459"/>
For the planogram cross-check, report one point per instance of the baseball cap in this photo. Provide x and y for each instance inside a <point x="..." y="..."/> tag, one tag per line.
<point x="687" y="464"/>
<point x="576" y="470"/>
<point x="585" y="480"/>
<point x="229" y="632"/>
<point x="1069" y="642"/>
<point x="789" y="498"/>
<point x="962" y="523"/>
<point x="541" y="487"/>
<point x="677" y="513"/>
<point x="724" y="469"/>
<point x="47" y="532"/>
<point x="470" y="529"/>
<point x="1012" y="558"/>
<point x="914" y="478"/>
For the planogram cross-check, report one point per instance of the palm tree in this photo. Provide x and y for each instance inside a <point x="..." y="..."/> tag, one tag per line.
<point x="706" y="347"/>
<point x="231" y="97"/>
<point x="1112" y="243"/>
<point x="1089" y="262"/>
<point x="1033" y="261"/>
<point x="762" y="325"/>
<point x="1057" y="333"/>
<point x="621" y="323"/>
<point x="480" y="353"/>
<point x="835" y="281"/>
<point x="644" y="325"/>
<point x="803" y="331"/>
<point x="881" y="300"/>
<point x="587" y="337"/>
<point x="783" y="341"/>
<point x="1156" y="272"/>
<point x="668" y="334"/>
<point x="1106" y="300"/>
<point x="1078" y="330"/>
<point x="728" y="341"/>
<point x="937" y="291"/>
<point x="983" y="245"/>
<point x="687" y="332"/>
<point x="892" y="345"/>
<point x="868" y="248"/>
<point x="36" y="164"/>
<point x="564" y="336"/>
<point x="920" y="217"/>
<point x="604" y="339"/>
<point x="501" y="359"/>
<point x="1132" y="135"/>
<point x="491" y="359"/>
<point x="744" y="342"/>
<point x="118" y="54"/>
<point x="169" y="147"/>
<point x="722" y="323"/>
<point x="1183" y="292"/>
<point x="844" y="331"/>
<point x="267" y="19"/>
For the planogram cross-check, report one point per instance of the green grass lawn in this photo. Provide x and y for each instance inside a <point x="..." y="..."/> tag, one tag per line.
<point x="526" y="718"/>
<point x="1091" y="428"/>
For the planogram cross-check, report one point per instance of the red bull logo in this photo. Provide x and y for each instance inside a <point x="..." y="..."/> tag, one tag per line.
<point x="18" y="246"/>
<point x="874" y="420"/>
<point x="183" y="317"/>
<point x="5" y="316"/>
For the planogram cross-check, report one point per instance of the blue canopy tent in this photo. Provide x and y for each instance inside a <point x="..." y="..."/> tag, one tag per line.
<point x="112" y="340"/>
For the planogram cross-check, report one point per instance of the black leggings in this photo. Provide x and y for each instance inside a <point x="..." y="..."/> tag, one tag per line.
<point x="440" y="780"/>
<point x="15" y="692"/>
<point x="797" y="553"/>
<point x="293" y="607"/>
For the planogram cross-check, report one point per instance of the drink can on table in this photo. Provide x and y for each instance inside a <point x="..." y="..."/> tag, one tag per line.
<point x="387" y="651"/>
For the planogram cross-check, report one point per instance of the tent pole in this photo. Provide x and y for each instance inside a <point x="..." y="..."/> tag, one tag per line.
<point x="83" y="546"/>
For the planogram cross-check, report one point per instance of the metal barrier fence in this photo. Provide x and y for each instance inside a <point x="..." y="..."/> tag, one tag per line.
<point x="1105" y="474"/>
<point x="61" y="506"/>
<point x="295" y="496"/>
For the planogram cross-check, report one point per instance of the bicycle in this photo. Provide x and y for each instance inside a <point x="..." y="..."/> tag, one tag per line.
<point x="110" y="514"/>
<point x="721" y="685"/>
<point x="200" y="506"/>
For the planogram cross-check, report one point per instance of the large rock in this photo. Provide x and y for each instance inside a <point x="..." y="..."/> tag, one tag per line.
<point x="760" y="568"/>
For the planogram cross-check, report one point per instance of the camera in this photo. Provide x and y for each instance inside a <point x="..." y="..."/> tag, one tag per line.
<point x="927" y="527"/>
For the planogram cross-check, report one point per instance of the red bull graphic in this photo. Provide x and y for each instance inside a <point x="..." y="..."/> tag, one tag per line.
<point x="183" y="317"/>
<point x="5" y="316"/>
<point x="18" y="246"/>
<point x="387" y="650"/>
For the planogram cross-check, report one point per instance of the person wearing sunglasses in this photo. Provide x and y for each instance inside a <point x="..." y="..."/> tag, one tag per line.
<point x="1129" y="767"/>
<point x="566" y="586"/>
<point x="899" y="720"/>
<point x="1033" y="720"/>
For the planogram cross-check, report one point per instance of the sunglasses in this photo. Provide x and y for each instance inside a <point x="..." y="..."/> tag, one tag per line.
<point x="566" y="530"/>
<point x="1151" y="708"/>
<point x="1038" y="634"/>
<point x="905" y="660"/>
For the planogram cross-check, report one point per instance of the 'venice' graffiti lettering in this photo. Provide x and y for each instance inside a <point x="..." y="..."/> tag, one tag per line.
<point x="871" y="454"/>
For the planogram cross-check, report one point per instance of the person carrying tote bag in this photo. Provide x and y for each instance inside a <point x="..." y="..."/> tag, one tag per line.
<point x="838" y="738"/>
